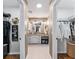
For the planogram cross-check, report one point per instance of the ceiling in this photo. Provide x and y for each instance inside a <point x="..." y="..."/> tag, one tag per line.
<point x="10" y="3"/>
<point x="45" y="3"/>
<point x="67" y="4"/>
<point x="34" y="11"/>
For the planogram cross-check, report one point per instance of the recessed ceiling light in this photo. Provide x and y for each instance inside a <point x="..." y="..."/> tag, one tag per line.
<point x="39" y="5"/>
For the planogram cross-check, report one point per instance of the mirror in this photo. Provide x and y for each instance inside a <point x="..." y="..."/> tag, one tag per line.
<point x="38" y="26"/>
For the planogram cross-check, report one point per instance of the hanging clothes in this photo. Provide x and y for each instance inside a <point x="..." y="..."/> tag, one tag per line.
<point x="67" y="30"/>
<point x="61" y="27"/>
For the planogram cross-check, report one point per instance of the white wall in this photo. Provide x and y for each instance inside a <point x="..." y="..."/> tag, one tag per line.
<point x="38" y="15"/>
<point x="15" y="12"/>
<point x="14" y="46"/>
<point x="65" y="13"/>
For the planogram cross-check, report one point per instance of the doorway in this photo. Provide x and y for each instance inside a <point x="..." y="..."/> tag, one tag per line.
<point x="37" y="29"/>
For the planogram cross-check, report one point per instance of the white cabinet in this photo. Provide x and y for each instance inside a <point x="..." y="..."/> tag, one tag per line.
<point x="34" y="39"/>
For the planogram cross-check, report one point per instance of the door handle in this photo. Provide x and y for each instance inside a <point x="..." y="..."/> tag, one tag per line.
<point x="58" y="38"/>
<point x="19" y="38"/>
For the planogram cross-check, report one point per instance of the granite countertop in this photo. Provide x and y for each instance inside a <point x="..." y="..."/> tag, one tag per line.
<point x="39" y="34"/>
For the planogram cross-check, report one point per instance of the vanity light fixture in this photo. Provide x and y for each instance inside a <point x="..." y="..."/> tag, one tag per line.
<point x="39" y="5"/>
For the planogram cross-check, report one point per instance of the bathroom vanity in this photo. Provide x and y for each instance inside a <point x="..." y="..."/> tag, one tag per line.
<point x="38" y="30"/>
<point x="38" y="38"/>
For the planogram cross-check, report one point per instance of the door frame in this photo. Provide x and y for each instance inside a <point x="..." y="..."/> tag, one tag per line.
<point x="54" y="24"/>
<point x="22" y="30"/>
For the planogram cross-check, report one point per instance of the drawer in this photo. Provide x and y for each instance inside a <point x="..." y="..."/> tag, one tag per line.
<point x="34" y="39"/>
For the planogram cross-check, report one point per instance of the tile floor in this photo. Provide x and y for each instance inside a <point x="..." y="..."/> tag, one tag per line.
<point x="38" y="52"/>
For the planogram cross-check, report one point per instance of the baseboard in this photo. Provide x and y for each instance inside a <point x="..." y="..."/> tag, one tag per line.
<point x="14" y="53"/>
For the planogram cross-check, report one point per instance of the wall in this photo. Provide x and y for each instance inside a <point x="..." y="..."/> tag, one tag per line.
<point x="63" y="13"/>
<point x="14" y="46"/>
<point x="38" y="15"/>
